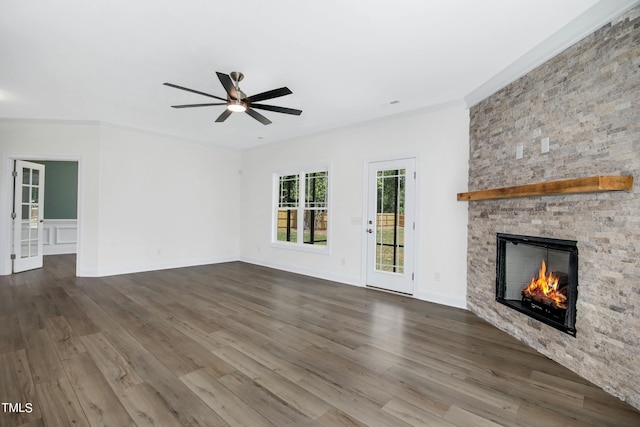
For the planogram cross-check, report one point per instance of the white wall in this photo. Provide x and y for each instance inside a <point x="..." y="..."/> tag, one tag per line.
<point x="165" y="204"/>
<point x="438" y="138"/>
<point x="146" y="201"/>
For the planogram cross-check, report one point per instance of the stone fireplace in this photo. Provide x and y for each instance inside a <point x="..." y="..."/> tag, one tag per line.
<point x="583" y="104"/>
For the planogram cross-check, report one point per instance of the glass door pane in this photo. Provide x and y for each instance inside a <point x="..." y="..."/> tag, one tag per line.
<point x="390" y="220"/>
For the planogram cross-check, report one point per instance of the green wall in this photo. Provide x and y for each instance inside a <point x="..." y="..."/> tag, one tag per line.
<point x="60" y="189"/>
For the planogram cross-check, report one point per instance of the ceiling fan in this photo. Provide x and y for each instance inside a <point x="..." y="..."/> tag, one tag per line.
<point x="238" y="102"/>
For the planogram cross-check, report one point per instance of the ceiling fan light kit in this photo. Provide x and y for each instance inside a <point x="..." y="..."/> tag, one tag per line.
<point x="238" y="102"/>
<point x="236" y="106"/>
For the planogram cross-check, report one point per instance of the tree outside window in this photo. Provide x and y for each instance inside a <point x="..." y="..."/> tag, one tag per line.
<point x="303" y="195"/>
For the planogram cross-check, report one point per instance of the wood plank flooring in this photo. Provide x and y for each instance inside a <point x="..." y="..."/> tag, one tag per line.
<point x="237" y="344"/>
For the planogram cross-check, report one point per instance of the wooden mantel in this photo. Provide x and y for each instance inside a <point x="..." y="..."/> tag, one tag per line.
<point x="566" y="186"/>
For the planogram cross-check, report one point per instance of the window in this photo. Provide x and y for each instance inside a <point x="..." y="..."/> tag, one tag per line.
<point x="302" y="208"/>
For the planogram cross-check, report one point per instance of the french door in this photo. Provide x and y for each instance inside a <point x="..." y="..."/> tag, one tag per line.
<point x="28" y="216"/>
<point x="391" y="225"/>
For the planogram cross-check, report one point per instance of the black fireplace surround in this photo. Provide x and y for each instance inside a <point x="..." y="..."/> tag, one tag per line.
<point x="539" y="277"/>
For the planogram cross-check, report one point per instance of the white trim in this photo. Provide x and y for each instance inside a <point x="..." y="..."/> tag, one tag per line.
<point x="318" y="274"/>
<point x="600" y="14"/>
<point x="6" y="225"/>
<point x="60" y="236"/>
<point x="59" y="250"/>
<point x="81" y="122"/>
<point x="459" y="302"/>
<point x="375" y="120"/>
<point x="49" y="121"/>
<point x="301" y="247"/>
<point x="153" y="267"/>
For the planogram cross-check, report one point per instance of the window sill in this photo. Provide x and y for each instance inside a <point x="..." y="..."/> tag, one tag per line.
<point x="316" y="249"/>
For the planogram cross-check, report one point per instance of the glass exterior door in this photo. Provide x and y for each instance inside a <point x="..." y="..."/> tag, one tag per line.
<point x="390" y="225"/>
<point x="28" y="216"/>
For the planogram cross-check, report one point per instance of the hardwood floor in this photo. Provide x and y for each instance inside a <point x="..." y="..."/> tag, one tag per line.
<point x="237" y="344"/>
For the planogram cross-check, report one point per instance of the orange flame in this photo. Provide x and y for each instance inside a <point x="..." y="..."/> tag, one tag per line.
<point x="545" y="287"/>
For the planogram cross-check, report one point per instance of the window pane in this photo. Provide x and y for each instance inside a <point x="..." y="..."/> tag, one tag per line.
<point x="36" y="177"/>
<point x="316" y="190"/>
<point x="25" y="194"/>
<point x="287" y="225"/>
<point x="288" y="191"/>
<point x="26" y="176"/>
<point x="315" y="227"/>
<point x="24" y="249"/>
<point x="390" y="221"/>
<point x="24" y="227"/>
<point x="34" y="216"/>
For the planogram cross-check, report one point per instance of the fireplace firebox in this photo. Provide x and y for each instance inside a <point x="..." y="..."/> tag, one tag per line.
<point x="539" y="277"/>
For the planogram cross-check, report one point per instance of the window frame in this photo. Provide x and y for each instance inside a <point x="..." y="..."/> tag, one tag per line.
<point x="300" y="209"/>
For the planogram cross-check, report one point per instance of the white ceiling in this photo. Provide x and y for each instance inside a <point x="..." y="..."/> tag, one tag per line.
<point x="345" y="61"/>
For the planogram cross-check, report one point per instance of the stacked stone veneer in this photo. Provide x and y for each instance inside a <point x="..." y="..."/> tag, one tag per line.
<point x="586" y="100"/>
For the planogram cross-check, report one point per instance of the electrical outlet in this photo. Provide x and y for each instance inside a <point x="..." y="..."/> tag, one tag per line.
<point x="544" y="145"/>
<point x="519" y="150"/>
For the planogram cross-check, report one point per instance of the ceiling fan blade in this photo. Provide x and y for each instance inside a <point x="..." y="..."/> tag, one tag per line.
<point x="228" y="85"/>
<point x="274" y="93"/>
<point x="259" y="117"/>
<point x="194" y="91"/>
<point x="222" y="117"/>
<point x="277" y="109"/>
<point x="198" y="105"/>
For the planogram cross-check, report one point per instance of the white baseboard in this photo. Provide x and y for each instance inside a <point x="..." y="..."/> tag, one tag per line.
<point x="347" y="280"/>
<point x="459" y="302"/>
<point x="152" y="267"/>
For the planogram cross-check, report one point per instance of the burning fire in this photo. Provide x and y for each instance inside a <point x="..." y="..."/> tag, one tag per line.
<point x="545" y="289"/>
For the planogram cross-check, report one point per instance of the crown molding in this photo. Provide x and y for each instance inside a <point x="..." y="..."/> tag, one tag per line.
<point x="602" y="13"/>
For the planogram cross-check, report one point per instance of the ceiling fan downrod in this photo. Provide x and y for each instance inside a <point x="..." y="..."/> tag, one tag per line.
<point x="237" y="77"/>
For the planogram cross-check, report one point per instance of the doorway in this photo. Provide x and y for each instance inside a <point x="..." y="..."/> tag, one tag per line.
<point x="391" y="225"/>
<point x="25" y="240"/>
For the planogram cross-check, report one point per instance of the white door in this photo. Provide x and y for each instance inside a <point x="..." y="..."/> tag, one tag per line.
<point x="28" y="216"/>
<point x="391" y="225"/>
